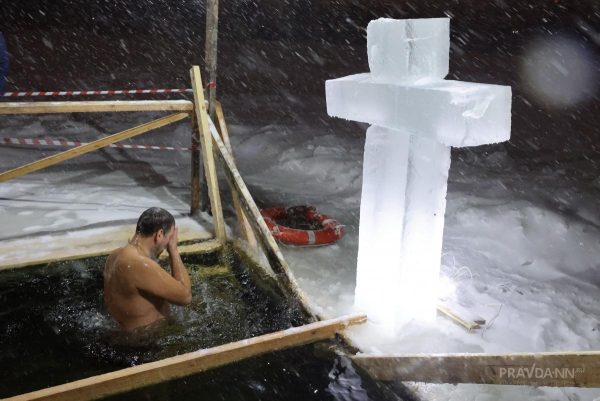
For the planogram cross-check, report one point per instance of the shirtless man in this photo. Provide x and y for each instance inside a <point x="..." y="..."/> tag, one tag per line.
<point x="137" y="291"/>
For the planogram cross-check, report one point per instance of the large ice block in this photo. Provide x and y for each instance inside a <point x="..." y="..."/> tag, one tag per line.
<point x="417" y="116"/>
<point x="401" y="225"/>
<point x="424" y="216"/>
<point x="452" y="112"/>
<point x="385" y="170"/>
<point x="409" y="49"/>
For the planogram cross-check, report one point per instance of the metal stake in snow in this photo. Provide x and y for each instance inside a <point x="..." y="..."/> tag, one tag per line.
<point x="416" y="117"/>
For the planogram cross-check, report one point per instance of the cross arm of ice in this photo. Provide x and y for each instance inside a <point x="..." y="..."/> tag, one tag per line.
<point x="452" y="112"/>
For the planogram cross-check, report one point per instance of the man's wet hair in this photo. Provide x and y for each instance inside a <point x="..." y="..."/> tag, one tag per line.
<point x="154" y="219"/>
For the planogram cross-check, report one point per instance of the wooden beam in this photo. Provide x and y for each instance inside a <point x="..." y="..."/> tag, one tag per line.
<point x="210" y="58"/>
<point x="210" y="169"/>
<point x="184" y="365"/>
<point x="245" y="228"/>
<point x="553" y="369"/>
<point x="262" y="232"/>
<point x="90" y="147"/>
<point x="208" y="246"/>
<point x="196" y="176"/>
<point x="210" y="53"/>
<point x="94" y="106"/>
<point x="205" y="246"/>
<point x="89" y="242"/>
<point x="461" y="318"/>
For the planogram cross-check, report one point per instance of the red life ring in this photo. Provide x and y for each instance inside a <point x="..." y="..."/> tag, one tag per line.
<point x="330" y="230"/>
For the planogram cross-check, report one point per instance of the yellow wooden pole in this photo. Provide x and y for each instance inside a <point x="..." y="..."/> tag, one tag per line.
<point x="262" y="232"/>
<point x="184" y="365"/>
<point x="553" y="369"/>
<point x="198" y="184"/>
<point x="210" y="169"/>
<point x="94" y="106"/>
<point x="245" y="227"/>
<point x="210" y="53"/>
<point x="90" y="147"/>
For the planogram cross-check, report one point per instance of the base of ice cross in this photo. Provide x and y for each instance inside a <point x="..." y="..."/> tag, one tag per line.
<point x="401" y="226"/>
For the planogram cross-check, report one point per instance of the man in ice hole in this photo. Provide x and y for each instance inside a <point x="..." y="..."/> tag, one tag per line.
<point x="137" y="291"/>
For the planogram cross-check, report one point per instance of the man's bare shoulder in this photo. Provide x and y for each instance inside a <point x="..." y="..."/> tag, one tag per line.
<point x="128" y="260"/>
<point x="124" y="259"/>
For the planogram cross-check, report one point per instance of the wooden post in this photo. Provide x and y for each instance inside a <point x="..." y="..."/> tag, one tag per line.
<point x="245" y="228"/>
<point x="210" y="53"/>
<point x="90" y="147"/>
<point x="262" y="232"/>
<point x="196" y="176"/>
<point x="554" y="369"/>
<point x="194" y="362"/>
<point x="210" y="169"/>
<point x="210" y="64"/>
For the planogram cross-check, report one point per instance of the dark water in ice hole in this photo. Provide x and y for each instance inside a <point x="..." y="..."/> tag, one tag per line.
<point x="53" y="329"/>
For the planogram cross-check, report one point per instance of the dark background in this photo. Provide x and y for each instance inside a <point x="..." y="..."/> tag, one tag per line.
<point x="274" y="56"/>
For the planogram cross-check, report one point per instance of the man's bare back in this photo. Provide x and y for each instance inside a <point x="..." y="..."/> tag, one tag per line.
<point x="137" y="291"/>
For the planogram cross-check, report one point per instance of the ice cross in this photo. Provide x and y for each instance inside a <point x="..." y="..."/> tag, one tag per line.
<point x="416" y="118"/>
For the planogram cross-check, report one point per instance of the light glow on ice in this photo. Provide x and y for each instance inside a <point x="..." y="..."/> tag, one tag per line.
<point x="417" y="116"/>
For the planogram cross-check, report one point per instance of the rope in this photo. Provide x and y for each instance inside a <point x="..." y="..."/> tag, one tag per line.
<point x="492" y="320"/>
<point x="99" y="92"/>
<point x="65" y="143"/>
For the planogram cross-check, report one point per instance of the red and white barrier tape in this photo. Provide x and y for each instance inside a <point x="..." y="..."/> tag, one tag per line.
<point x="96" y="92"/>
<point x="64" y="143"/>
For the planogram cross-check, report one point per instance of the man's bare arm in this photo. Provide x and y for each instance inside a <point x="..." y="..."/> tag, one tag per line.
<point x="148" y="276"/>
<point x="178" y="270"/>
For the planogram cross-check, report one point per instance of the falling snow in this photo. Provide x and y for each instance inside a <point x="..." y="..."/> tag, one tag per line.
<point x="521" y="242"/>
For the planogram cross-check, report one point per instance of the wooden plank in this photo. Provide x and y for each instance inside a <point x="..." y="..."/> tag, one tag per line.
<point x="262" y="232"/>
<point x="245" y="228"/>
<point x="210" y="169"/>
<point x="210" y="52"/>
<point x="206" y="246"/>
<point x="94" y="106"/>
<point x="194" y="362"/>
<point x="211" y="245"/>
<point x="90" y="147"/>
<point x="84" y="243"/>
<point x="196" y="184"/>
<point x="461" y="319"/>
<point x="553" y="369"/>
<point x="213" y="271"/>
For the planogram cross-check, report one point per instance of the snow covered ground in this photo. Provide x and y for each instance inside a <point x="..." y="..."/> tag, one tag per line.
<point x="521" y="242"/>
<point x="521" y="247"/>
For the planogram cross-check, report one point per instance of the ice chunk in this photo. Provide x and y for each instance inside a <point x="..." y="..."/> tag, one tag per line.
<point x="408" y="49"/>
<point x="416" y="117"/>
<point x="427" y="182"/>
<point x="401" y="225"/>
<point x="383" y="195"/>
<point x="452" y="112"/>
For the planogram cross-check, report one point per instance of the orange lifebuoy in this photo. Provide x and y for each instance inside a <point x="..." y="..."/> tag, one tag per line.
<point x="330" y="230"/>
